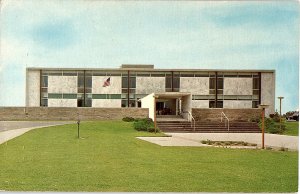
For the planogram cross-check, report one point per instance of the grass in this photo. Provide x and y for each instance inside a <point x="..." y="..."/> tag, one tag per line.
<point x="110" y="158"/>
<point x="292" y="128"/>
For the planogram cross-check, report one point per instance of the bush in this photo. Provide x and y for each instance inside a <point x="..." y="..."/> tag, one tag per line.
<point x="272" y="127"/>
<point x="128" y="119"/>
<point x="144" y="125"/>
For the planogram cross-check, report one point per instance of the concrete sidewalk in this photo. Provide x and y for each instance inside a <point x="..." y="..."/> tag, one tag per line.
<point x="12" y="129"/>
<point x="194" y="139"/>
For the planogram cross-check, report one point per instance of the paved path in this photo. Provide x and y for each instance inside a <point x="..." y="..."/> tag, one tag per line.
<point x="12" y="129"/>
<point x="194" y="139"/>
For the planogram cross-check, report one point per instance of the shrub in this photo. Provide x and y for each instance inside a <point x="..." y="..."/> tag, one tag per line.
<point x="271" y="126"/>
<point x="128" y="119"/>
<point x="203" y="141"/>
<point x="145" y="124"/>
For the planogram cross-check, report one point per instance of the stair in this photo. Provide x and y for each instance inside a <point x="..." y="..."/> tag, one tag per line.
<point x="208" y="126"/>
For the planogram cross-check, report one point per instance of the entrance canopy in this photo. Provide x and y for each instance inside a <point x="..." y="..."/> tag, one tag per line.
<point x="177" y="101"/>
<point x="171" y="95"/>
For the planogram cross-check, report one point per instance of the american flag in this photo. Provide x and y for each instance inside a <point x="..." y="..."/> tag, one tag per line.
<point x="107" y="82"/>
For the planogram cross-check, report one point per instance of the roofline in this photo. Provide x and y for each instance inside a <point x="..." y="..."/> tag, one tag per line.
<point x="147" y="69"/>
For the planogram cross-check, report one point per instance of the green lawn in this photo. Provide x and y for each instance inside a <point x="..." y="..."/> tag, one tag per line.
<point x="292" y="128"/>
<point x="110" y="158"/>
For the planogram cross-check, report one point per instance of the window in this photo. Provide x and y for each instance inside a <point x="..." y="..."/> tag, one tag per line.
<point x="124" y="82"/>
<point x="168" y="82"/>
<point x="220" y="83"/>
<point x="70" y="96"/>
<point x="124" y="103"/>
<point x="88" y="82"/>
<point x="132" y="82"/>
<point x="212" y="83"/>
<point x="255" y="104"/>
<point x="55" y="96"/>
<point x="44" y="81"/>
<point x="211" y="104"/>
<point x="44" y="102"/>
<point x="219" y="104"/>
<point x="80" y="81"/>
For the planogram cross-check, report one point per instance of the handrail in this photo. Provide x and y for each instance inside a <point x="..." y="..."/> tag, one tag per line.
<point x="223" y="115"/>
<point x="192" y="119"/>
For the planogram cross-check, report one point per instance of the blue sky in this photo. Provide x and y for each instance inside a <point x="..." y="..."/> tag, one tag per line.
<point x="179" y="34"/>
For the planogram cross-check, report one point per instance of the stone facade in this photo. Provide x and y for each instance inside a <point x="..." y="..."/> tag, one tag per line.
<point x="233" y="114"/>
<point x="33" y="88"/>
<point x="237" y="86"/>
<point x="148" y="85"/>
<point x="61" y="113"/>
<point x="268" y="91"/>
<point x="114" y="88"/>
<point x="195" y="85"/>
<point x="62" y="84"/>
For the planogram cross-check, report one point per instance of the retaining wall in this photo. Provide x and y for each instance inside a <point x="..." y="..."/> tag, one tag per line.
<point x="69" y="113"/>
<point x="233" y="114"/>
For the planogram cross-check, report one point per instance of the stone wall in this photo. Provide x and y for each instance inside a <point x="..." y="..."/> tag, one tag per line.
<point x="69" y="113"/>
<point x="233" y="114"/>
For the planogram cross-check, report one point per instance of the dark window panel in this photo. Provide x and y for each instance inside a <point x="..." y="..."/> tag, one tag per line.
<point x="186" y="75"/>
<point x="79" y="102"/>
<point x="211" y="104"/>
<point x="44" y="102"/>
<point x="168" y="82"/>
<point x="70" y="96"/>
<point x="131" y="103"/>
<point x="220" y="83"/>
<point x="132" y="83"/>
<point x="176" y="82"/>
<point x="80" y="81"/>
<point x="201" y="74"/>
<point x="212" y="83"/>
<point x="115" y="96"/>
<point x="88" y="81"/>
<point x="219" y="104"/>
<point x="44" y="81"/>
<point x="80" y="90"/>
<point x="255" y="92"/>
<point x="213" y="91"/>
<point x="124" y="103"/>
<point x="255" y="104"/>
<point x="55" y="96"/>
<point x="255" y="83"/>
<point x="88" y="90"/>
<point x="220" y="91"/>
<point x="124" y="82"/>
<point x="88" y="102"/>
<point x="99" y="96"/>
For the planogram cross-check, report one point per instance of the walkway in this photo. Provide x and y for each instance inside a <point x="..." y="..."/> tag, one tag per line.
<point x="194" y="139"/>
<point x="12" y="129"/>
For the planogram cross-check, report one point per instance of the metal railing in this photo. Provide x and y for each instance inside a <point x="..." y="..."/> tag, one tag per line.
<point x="191" y="118"/>
<point x="224" y="116"/>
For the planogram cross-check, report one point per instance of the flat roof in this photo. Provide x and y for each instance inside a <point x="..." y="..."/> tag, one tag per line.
<point x="151" y="70"/>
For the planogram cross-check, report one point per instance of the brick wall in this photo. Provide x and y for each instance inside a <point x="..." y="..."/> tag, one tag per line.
<point x="69" y="113"/>
<point x="233" y="114"/>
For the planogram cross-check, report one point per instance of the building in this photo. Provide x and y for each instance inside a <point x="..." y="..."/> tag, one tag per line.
<point x="175" y="90"/>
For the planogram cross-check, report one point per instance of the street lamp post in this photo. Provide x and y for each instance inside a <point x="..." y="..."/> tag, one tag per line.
<point x="280" y="99"/>
<point x="263" y="107"/>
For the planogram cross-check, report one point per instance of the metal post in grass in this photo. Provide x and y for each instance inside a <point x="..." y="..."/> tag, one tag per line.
<point x="280" y="98"/>
<point x="78" y="126"/>
<point x="154" y="113"/>
<point x="78" y="123"/>
<point x="263" y="107"/>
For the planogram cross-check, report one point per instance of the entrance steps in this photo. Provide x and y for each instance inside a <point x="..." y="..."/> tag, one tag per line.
<point x="207" y="126"/>
<point x="170" y="118"/>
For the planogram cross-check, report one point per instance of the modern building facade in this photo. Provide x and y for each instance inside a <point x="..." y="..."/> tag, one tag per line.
<point x="129" y="86"/>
